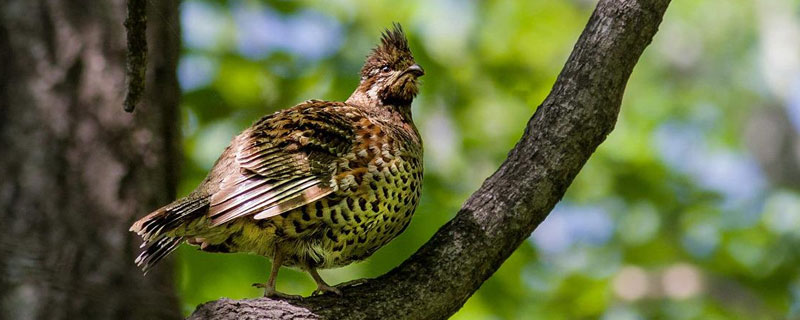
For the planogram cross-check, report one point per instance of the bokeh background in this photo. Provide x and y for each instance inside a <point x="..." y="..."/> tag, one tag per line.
<point x="689" y="210"/>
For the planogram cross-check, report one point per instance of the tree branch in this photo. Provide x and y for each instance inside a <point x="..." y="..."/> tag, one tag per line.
<point x="565" y="130"/>
<point x="136" y="28"/>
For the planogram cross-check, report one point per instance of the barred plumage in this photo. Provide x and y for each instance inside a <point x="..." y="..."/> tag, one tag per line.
<point x="318" y="185"/>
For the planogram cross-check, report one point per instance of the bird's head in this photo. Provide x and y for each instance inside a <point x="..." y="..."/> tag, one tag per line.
<point x="389" y="76"/>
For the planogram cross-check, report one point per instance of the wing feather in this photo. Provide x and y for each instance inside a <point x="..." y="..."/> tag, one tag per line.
<point x="309" y="195"/>
<point x="265" y="196"/>
<point x="287" y="160"/>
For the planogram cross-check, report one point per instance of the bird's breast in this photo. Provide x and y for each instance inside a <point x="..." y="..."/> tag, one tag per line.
<point x="372" y="205"/>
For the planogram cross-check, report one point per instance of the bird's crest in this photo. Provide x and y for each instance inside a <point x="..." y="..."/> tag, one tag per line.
<point x="394" y="40"/>
<point x="393" y="50"/>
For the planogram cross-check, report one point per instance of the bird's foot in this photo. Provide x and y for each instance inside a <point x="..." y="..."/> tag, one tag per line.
<point x="272" y="293"/>
<point x="322" y="288"/>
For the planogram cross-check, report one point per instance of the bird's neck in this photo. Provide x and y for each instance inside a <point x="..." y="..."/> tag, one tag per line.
<point x="393" y="110"/>
<point x="362" y="99"/>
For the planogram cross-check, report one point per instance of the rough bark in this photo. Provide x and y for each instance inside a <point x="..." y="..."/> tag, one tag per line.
<point x="75" y="169"/>
<point x="136" y="28"/>
<point x="564" y="131"/>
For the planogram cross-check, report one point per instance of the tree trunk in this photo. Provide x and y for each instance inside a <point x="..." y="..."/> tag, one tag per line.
<point x="75" y="168"/>
<point x="564" y="131"/>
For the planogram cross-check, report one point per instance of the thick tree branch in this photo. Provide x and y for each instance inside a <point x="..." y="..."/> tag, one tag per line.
<point x="565" y="130"/>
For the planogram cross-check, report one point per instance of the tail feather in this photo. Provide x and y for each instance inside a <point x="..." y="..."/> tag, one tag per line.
<point x="172" y="221"/>
<point x="156" y="251"/>
<point x="158" y="229"/>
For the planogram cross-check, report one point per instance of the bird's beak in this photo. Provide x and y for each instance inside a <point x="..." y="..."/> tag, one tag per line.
<point x="416" y="70"/>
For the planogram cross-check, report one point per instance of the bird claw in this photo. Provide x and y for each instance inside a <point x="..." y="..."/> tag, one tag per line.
<point x="272" y="293"/>
<point x="321" y="289"/>
<point x="260" y="285"/>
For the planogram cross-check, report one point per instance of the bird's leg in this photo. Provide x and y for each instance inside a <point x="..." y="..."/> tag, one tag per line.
<point x="269" y="287"/>
<point x="322" y="287"/>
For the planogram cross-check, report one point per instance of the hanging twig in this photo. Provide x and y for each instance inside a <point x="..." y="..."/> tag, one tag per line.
<point x="136" y="26"/>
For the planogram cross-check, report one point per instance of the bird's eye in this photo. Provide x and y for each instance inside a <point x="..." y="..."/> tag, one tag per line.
<point x="385" y="69"/>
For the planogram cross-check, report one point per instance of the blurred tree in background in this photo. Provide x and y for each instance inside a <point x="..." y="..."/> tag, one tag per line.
<point x="690" y="209"/>
<point x="74" y="169"/>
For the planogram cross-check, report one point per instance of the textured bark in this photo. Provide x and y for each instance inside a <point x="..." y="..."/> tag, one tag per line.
<point x="136" y="28"/>
<point x="75" y="168"/>
<point x="564" y="131"/>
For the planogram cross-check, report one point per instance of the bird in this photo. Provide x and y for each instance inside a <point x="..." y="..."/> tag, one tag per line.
<point x="319" y="185"/>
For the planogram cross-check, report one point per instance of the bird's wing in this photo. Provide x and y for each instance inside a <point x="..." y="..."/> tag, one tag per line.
<point x="287" y="159"/>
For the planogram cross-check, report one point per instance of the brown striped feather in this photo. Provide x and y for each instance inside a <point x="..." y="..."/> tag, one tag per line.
<point x="259" y="199"/>
<point x="286" y="160"/>
<point x="308" y="195"/>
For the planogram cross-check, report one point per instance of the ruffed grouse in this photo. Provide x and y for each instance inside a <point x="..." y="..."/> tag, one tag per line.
<point x="318" y="185"/>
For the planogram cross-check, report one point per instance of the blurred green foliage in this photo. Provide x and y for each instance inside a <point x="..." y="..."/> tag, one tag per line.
<point x="671" y="218"/>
